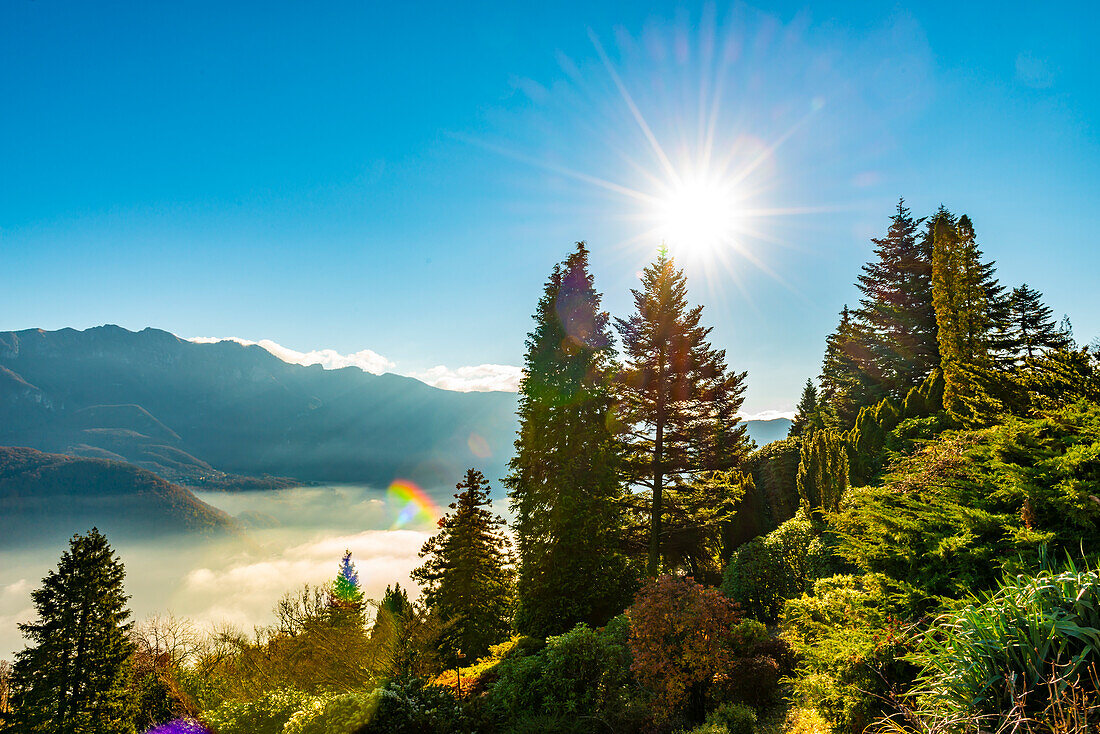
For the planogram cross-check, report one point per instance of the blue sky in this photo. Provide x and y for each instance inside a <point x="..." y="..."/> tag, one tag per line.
<point x="400" y="177"/>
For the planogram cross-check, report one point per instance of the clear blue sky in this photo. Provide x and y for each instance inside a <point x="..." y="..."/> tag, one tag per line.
<point x="401" y="176"/>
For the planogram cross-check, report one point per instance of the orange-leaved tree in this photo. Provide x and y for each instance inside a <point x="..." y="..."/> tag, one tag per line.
<point x="680" y="639"/>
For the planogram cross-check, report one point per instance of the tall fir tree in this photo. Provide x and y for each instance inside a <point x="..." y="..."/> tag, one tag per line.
<point x="896" y="310"/>
<point x="563" y="480"/>
<point x="74" y="675"/>
<point x="678" y="399"/>
<point x="467" y="576"/>
<point x="345" y="599"/>
<point x="1031" y="327"/>
<point x="849" y="380"/>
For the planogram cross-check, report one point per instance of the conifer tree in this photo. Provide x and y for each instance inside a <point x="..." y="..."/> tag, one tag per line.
<point x="970" y="311"/>
<point x="346" y="593"/>
<point x="1032" y="330"/>
<point x="849" y="380"/>
<point x="468" y="571"/>
<point x="808" y="415"/>
<point x="896" y="311"/>
<point x="822" y="474"/>
<point x="563" y="481"/>
<point x="74" y="675"/>
<point x="678" y="400"/>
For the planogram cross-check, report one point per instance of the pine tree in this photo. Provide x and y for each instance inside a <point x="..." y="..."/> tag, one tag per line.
<point x="849" y="378"/>
<point x="468" y="571"/>
<point x="1032" y="330"/>
<point x="74" y="676"/>
<point x="346" y="598"/>
<point x="808" y="415"/>
<point x="822" y="474"/>
<point x="896" y="311"/>
<point x="678" y="399"/>
<point x="563" y="481"/>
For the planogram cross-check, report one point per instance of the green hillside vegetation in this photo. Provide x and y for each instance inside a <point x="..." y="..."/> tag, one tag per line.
<point x="919" y="555"/>
<point x="43" y="496"/>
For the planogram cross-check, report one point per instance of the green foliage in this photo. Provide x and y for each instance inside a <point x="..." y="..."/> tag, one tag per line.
<point x="809" y="414"/>
<point x="734" y="718"/>
<point x="1019" y="646"/>
<point x="951" y="516"/>
<point x="822" y="474"/>
<point x="74" y="675"/>
<point x="467" y="576"/>
<point x="774" y="470"/>
<point x="766" y="571"/>
<point x="583" y="673"/>
<point x="267" y="714"/>
<point x="850" y="649"/>
<point x="678" y="400"/>
<point x="564" y="477"/>
<point x="849" y="379"/>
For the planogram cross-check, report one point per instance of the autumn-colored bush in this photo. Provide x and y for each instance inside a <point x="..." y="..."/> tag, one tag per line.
<point x="479" y="677"/>
<point x="680" y="639"/>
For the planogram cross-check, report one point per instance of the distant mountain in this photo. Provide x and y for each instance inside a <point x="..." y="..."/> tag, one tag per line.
<point x="45" y="498"/>
<point x="201" y="414"/>
<point x="764" y="432"/>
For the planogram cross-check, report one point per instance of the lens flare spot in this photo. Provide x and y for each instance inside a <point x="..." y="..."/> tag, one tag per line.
<point x="479" y="447"/>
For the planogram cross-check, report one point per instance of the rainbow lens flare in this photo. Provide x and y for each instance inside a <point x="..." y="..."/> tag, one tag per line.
<point x="412" y="505"/>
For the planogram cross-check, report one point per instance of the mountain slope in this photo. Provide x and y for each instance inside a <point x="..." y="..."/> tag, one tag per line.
<point x="192" y="411"/>
<point x="48" y="497"/>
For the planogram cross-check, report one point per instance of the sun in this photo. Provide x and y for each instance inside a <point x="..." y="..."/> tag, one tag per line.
<point x="697" y="215"/>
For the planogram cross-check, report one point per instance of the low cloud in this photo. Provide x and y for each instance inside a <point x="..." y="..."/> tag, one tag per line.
<point x="768" y="415"/>
<point x="477" y="378"/>
<point x="482" y="378"/>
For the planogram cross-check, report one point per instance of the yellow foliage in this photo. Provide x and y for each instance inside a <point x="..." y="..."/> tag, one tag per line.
<point x="805" y="721"/>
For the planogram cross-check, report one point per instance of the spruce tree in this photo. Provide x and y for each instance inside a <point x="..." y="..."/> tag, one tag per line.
<point x="468" y="572"/>
<point x="896" y="310"/>
<point x="849" y="380"/>
<point x="345" y="599"/>
<point x="808" y="415"/>
<point x="563" y="481"/>
<point x="74" y="675"/>
<point x="1032" y="330"/>
<point x="677" y="399"/>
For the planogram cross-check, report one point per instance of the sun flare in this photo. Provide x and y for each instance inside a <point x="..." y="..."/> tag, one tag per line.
<point x="698" y="215"/>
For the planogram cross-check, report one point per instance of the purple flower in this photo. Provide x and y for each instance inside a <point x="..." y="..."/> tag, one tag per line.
<point x="180" y="726"/>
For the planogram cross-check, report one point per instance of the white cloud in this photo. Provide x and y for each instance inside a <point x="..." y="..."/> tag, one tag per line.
<point x="482" y="378"/>
<point x="477" y="378"/>
<point x="768" y="415"/>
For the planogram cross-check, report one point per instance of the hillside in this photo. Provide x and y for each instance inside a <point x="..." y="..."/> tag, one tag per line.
<point x="48" y="497"/>
<point x="201" y="413"/>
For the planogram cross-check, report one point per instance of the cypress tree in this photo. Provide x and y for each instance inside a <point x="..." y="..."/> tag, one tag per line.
<point x="970" y="311"/>
<point x="678" y="399"/>
<point x="74" y="675"/>
<point x="467" y="577"/>
<point x="563" y="481"/>
<point x="822" y="474"/>
<point x="896" y="310"/>
<point x="1032" y="330"/>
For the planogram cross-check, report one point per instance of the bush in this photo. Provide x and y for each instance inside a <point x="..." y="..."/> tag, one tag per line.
<point x="583" y="673"/>
<point x="1030" y="640"/>
<point x="851" y="650"/>
<point x="736" y="718"/>
<point x="766" y="571"/>
<point x="265" y="715"/>
<point x="680" y="639"/>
